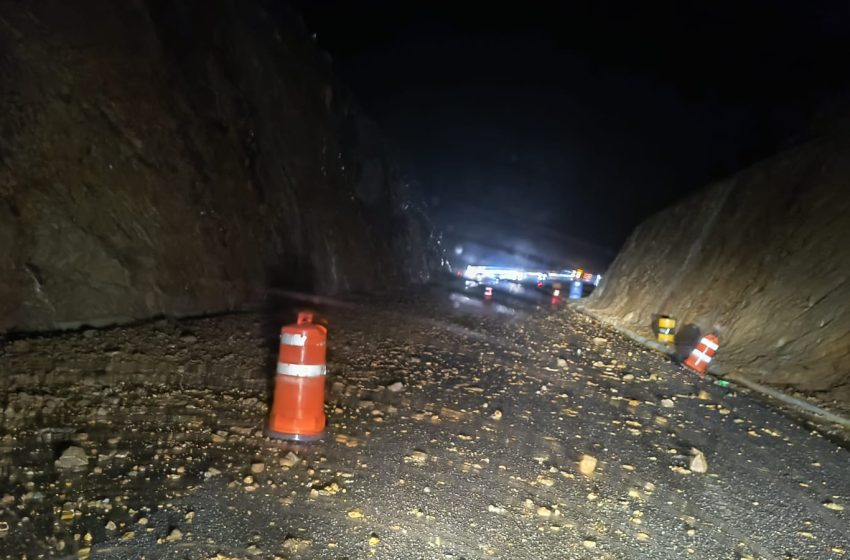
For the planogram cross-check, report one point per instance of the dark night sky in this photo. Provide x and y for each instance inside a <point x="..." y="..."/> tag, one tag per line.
<point x="552" y="129"/>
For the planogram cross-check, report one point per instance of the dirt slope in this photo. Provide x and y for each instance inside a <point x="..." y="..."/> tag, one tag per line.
<point x="762" y="259"/>
<point x="180" y="157"/>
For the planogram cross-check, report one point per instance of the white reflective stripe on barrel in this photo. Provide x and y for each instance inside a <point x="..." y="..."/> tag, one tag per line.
<point x="293" y="339"/>
<point x="300" y="370"/>
<point x="708" y="342"/>
<point x="702" y="356"/>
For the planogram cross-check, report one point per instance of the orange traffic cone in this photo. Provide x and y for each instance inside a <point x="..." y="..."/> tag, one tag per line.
<point x="701" y="355"/>
<point x="298" y="410"/>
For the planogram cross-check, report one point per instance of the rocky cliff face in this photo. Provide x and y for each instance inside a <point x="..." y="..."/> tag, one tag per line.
<point x="177" y="157"/>
<point x="762" y="259"/>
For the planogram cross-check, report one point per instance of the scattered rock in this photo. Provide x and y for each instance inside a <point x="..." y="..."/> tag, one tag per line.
<point x="417" y="458"/>
<point x="190" y="455"/>
<point x="587" y="465"/>
<point x="294" y="545"/>
<point x="599" y="341"/>
<point x="67" y="513"/>
<point x="290" y="460"/>
<point x="698" y="463"/>
<point x="329" y="489"/>
<point x="175" y="535"/>
<point x="72" y="459"/>
<point x="395" y="387"/>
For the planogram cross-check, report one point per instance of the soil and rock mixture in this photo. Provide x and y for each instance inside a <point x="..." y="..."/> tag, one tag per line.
<point x="454" y="431"/>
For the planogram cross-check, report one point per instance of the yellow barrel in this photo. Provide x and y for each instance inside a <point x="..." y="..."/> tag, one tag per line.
<point x="666" y="328"/>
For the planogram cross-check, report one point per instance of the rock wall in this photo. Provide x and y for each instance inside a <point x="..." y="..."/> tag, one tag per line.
<point x="179" y="157"/>
<point x="762" y="258"/>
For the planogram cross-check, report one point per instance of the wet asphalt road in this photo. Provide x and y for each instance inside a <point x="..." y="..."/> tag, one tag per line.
<point x="477" y="456"/>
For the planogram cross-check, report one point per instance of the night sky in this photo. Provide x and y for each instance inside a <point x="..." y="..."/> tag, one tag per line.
<point x="546" y="132"/>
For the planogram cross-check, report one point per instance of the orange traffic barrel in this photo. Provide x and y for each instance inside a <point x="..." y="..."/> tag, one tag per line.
<point x="298" y="410"/>
<point x="488" y="293"/>
<point x="703" y="353"/>
<point x="666" y="328"/>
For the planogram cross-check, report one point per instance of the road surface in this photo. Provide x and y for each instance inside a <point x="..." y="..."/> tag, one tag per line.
<point x="456" y="430"/>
